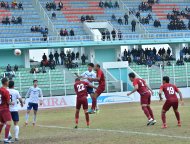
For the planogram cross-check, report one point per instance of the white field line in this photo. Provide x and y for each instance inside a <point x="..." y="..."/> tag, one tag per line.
<point x="118" y="131"/>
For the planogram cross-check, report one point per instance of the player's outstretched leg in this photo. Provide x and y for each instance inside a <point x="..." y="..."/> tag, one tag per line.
<point x="146" y="112"/>
<point x="164" y="125"/>
<point x="77" y="118"/>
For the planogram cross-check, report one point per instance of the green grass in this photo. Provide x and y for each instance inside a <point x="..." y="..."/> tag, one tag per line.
<point x="123" y="119"/>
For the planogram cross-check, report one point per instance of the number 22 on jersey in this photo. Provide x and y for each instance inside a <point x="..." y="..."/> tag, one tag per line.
<point x="80" y="87"/>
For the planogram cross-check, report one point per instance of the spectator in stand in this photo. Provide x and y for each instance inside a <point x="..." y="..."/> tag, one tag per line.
<point x="52" y="64"/>
<point x="83" y="58"/>
<point x="61" y="32"/>
<point x="138" y="14"/>
<point x="106" y="4"/>
<point x="108" y="35"/>
<point x="51" y="56"/>
<point x="116" y="5"/>
<point x="8" y="69"/>
<point x="13" y="19"/>
<point x="19" y="20"/>
<point x="101" y="4"/>
<point x="119" y="34"/>
<point x="168" y="51"/>
<point x="126" y="17"/>
<point x="113" y="33"/>
<point x="44" y="57"/>
<point x="157" y="23"/>
<point x="189" y="25"/>
<point x="53" y="15"/>
<point x="62" y="56"/>
<point x="82" y="19"/>
<point x="60" y="5"/>
<point x="56" y="55"/>
<point x="20" y="5"/>
<point x="120" y="21"/>
<point x="133" y="24"/>
<point x="65" y="33"/>
<point x="110" y="4"/>
<point x="104" y="35"/>
<point x="15" y="68"/>
<point x="72" y="33"/>
<point x="77" y="56"/>
<point x="113" y="17"/>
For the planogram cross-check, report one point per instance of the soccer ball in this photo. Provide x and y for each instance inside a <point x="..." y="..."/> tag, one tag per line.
<point x="17" y="52"/>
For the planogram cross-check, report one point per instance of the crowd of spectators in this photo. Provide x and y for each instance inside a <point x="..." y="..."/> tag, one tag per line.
<point x="64" y="32"/>
<point x="12" y="5"/>
<point x="10" y="72"/>
<point x="113" y="35"/>
<point x="147" y="56"/>
<point x="68" y="59"/>
<point x="88" y="18"/>
<point x="53" y="6"/>
<point x="6" y="20"/>
<point x="108" y="4"/>
<point x="176" y="22"/>
<point x="39" y="29"/>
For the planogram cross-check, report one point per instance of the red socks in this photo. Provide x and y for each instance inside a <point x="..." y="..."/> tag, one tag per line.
<point x="7" y="130"/>
<point x="146" y="112"/>
<point x="77" y="118"/>
<point x="150" y="112"/>
<point x="87" y="119"/>
<point x="163" y="117"/>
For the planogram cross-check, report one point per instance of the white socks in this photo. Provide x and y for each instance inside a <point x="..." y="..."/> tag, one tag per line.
<point x="26" y="117"/>
<point x="16" y="129"/>
<point x="34" y="119"/>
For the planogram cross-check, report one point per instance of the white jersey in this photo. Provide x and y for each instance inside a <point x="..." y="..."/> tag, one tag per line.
<point x="88" y="74"/>
<point x="34" y="94"/>
<point x="14" y="96"/>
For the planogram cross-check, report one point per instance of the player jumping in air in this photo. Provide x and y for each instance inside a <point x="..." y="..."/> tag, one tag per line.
<point x="88" y="74"/>
<point x="5" y="115"/>
<point x="14" y="96"/>
<point x="170" y="91"/>
<point x="81" y="91"/>
<point x="145" y="92"/>
<point x="101" y="87"/>
<point x="34" y="93"/>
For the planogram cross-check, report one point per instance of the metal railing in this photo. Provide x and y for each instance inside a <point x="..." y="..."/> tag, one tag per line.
<point x="45" y="17"/>
<point x="55" y="85"/>
<point x="87" y="38"/>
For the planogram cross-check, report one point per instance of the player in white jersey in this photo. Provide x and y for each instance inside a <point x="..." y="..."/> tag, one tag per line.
<point x="14" y="96"/>
<point x="35" y="96"/>
<point x="88" y="74"/>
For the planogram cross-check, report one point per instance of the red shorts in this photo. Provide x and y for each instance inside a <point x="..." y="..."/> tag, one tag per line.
<point x="82" y="102"/>
<point x="168" y="104"/>
<point x="146" y="98"/>
<point x="5" y="116"/>
<point x="100" y="89"/>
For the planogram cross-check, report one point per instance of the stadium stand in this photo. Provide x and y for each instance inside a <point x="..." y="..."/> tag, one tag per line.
<point x="29" y="18"/>
<point x="159" y="12"/>
<point x="69" y="17"/>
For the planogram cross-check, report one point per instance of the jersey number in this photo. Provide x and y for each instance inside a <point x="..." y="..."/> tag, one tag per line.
<point x="142" y="84"/>
<point x="170" y="90"/>
<point x="80" y="87"/>
<point x="0" y="99"/>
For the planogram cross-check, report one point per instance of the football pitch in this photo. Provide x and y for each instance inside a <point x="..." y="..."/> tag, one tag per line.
<point x="115" y="124"/>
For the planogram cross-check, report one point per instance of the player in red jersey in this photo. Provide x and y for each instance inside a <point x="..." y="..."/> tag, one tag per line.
<point x="101" y="87"/>
<point x="170" y="91"/>
<point x="82" y="94"/>
<point x="5" y="115"/>
<point x="145" y="92"/>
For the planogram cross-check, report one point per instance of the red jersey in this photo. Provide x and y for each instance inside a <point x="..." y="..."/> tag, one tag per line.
<point x="170" y="91"/>
<point x="4" y="98"/>
<point x="143" y="89"/>
<point x="100" y="75"/>
<point x="81" y="89"/>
